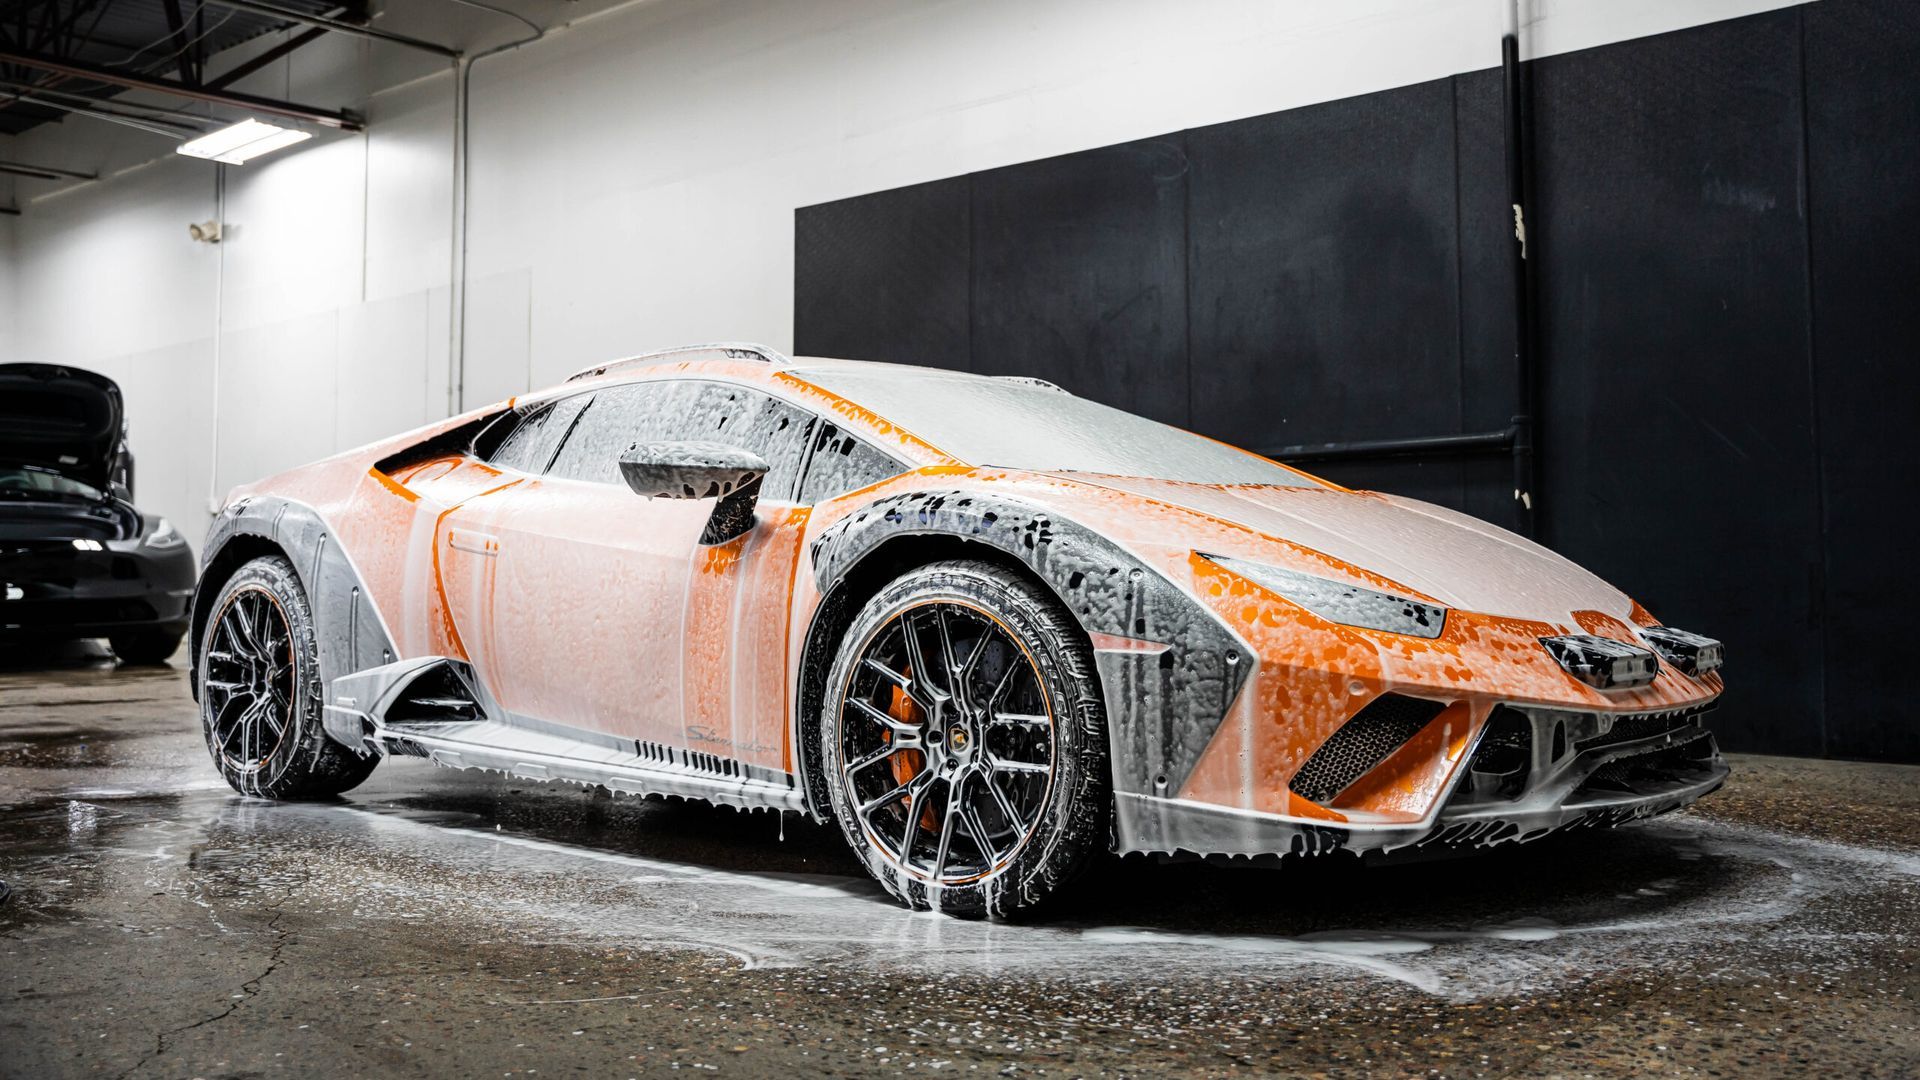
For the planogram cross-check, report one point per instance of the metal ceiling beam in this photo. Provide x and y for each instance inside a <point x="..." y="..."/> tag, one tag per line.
<point x="44" y="172"/>
<point x="337" y="26"/>
<point x="342" y="119"/>
<point x="182" y="47"/>
<point x="300" y="40"/>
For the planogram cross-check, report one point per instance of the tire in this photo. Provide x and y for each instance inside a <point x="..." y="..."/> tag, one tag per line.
<point x="146" y="647"/>
<point x="1008" y="686"/>
<point x="259" y="668"/>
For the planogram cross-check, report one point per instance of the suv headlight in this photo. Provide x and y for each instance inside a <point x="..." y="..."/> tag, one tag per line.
<point x="1339" y="602"/>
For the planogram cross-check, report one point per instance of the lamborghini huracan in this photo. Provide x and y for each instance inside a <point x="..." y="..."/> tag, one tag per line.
<point x="985" y="626"/>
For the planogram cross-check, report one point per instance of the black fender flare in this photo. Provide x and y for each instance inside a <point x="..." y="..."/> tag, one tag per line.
<point x="349" y="630"/>
<point x="1163" y="705"/>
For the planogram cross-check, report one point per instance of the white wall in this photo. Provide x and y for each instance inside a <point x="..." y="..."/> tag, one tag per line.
<point x="633" y="182"/>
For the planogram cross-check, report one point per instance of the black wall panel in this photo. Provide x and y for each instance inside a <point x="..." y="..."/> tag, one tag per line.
<point x="887" y="276"/>
<point x="1322" y="246"/>
<point x="1726" y="241"/>
<point x="1679" y="457"/>
<point x="1863" y="150"/>
<point x="1079" y="275"/>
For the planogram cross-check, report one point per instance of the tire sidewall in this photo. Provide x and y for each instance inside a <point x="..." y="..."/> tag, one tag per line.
<point x="1073" y="819"/>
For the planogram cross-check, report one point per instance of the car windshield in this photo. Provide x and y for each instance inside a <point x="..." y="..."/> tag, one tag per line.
<point x="20" y="481"/>
<point x="1016" y="424"/>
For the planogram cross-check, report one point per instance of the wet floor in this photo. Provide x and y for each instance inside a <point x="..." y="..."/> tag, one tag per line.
<point x="447" y="923"/>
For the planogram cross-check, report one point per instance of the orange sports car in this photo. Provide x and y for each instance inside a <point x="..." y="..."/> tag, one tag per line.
<point x="987" y="627"/>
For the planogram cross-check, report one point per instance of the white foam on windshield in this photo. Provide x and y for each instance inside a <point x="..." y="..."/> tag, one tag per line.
<point x="1018" y="425"/>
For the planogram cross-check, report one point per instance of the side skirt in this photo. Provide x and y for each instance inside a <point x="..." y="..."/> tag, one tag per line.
<point x="435" y="708"/>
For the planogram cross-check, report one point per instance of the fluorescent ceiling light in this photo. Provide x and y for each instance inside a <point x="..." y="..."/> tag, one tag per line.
<point x="236" y="144"/>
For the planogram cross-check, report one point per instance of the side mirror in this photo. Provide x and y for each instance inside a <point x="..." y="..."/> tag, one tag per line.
<point x="699" y="470"/>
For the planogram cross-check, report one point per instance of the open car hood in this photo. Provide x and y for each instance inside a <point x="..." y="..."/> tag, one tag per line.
<point x="1459" y="561"/>
<point x="64" y="419"/>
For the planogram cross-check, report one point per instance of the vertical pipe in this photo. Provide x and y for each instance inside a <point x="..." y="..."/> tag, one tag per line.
<point x="457" y="250"/>
<point x="1525" y="422"/>
<point x="214" y="494"/>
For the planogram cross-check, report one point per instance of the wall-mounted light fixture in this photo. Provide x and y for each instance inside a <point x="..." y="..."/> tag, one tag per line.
<point x="237" y="144"/>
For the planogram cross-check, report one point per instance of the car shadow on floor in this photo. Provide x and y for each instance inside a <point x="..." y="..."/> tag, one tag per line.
<point x="1582" y="876"/>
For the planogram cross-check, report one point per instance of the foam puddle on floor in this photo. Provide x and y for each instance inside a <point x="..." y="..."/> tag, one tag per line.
<point x="768" y="919"/>
<point x="1765" y="893"/>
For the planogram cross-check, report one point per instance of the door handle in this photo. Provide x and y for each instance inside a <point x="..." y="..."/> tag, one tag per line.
<point x="477" y="543"/>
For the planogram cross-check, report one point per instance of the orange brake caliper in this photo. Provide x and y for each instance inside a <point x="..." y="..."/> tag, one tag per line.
<point x="907" y="764"/>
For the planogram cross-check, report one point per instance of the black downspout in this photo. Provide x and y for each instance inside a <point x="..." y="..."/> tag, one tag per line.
<point x="1525" y="423"/>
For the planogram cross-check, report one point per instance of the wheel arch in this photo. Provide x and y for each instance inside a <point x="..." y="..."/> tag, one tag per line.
<point x="1162" y="708"/>
<point x="856" y="584"/>
<point x="350" y="633"/>
<point x="236" y="551"/>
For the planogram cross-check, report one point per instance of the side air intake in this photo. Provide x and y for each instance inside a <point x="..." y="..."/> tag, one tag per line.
<point x="1363" y="742"/>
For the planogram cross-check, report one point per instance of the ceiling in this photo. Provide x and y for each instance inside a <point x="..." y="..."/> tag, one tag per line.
<point x="169" y="40"/>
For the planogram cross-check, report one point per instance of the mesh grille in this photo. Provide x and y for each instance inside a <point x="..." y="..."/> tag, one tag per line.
<point x="1629" y="728"/>
<point x="1363" y="742"/>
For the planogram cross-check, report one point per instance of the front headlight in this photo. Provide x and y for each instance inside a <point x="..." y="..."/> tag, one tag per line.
<point x="163" y="536"/>
<point x="1337" y="601"/>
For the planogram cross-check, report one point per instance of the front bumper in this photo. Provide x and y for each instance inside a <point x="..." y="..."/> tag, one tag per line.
<point x="52" y="588"/>
<point x="1531" y="772"/>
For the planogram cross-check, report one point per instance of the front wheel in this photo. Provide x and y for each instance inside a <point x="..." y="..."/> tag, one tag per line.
<point x="965" y="741"/>
<point x="260" y="690"/>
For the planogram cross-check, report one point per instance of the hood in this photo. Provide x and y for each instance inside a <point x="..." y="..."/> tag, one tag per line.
<point x="1459" y="561"/>
<point x="64" y="419"/>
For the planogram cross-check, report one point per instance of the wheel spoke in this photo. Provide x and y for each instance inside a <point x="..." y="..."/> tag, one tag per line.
<point x="913" y="821"/>
<point x="1003" y="805"/>
<point x="906" y="788"/>
<point x="1000" y="688"/>
<point x="916" y="658"/>
<point x="223" y="719"/>
<point x="873" y="759"/>
<point x="249" y="733"/>
<point x="947" y="665"/>
<point x="945" y="843"/>
<point x="1001" y="764"/>
<point x="245" y="637"/>
<point x="973" y="659"/>
<point x="970" y="817"/>
<point x="1021" y="719"/>
<point x="900" y="728"/>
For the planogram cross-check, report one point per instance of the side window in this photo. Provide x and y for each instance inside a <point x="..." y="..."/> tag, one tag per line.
<point x="751" y="420"/>
<point x="618" y="418"/>
<point x="686" y="410"/>
<point x="841" y="463"/>
<point x="530" y="443"/>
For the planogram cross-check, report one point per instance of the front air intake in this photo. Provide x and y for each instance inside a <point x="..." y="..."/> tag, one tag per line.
<point x="1385" y="725"/>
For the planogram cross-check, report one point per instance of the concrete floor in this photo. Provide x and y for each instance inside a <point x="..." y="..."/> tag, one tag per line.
<point x="445" y="923"/>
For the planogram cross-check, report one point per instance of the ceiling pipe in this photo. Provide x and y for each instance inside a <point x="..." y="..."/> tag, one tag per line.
<point x="30" y="94"/>
<point x="338" y="26"/>
<point x="457" y="290"/>
<point x="341" y="119"/>
<point x="44" y="172"/>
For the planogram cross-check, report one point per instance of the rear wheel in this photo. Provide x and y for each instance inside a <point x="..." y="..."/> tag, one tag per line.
<point x="260" y="691"/>
<point x="965" y="743"/>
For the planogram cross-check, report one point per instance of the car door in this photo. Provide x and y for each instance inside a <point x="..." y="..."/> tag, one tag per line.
<point x="604" y="613"/>
<point x="462" y="558"/>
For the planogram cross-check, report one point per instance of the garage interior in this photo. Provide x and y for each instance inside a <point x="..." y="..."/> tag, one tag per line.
<point x="1291" y="227"/>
